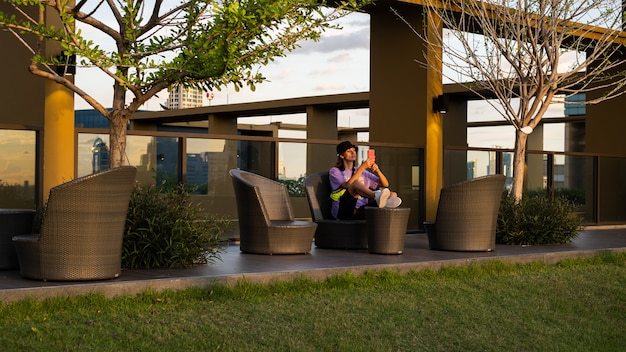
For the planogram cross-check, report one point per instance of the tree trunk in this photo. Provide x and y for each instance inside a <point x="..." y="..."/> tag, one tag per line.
<point x="519" y="165"/>
<point x="118" y="118"/>
<point x="117" y="135"/>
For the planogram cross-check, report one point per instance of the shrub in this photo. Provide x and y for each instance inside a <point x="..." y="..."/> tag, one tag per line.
<point x="164" y="229"/>
<point x="537" y="220"/>
<point x="295" y="188"/>
<point x="574" y="195"/>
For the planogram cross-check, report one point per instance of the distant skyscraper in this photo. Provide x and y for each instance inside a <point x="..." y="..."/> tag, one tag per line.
<point x="507" y="168"/>
<point x="575" y="105"/>
<point x="471" y="169"/>
<point x="100" y="156"/>
<point x="492" y="167"/>
<point x="184" y="97"/>
<point x="282" y="172"/>
<point x="198" y="169"/>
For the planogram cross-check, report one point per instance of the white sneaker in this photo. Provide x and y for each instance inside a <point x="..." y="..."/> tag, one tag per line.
<point x="393" y="202"/>
<point x="381" y="197"/>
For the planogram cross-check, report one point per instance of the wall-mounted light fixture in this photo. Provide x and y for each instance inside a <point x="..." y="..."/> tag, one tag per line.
<point x="440" y="104"/>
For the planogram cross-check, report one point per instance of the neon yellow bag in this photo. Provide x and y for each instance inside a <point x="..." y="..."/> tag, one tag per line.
<point x="336" y="194"/>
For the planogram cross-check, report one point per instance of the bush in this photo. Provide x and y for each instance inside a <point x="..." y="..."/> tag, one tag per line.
<point x="295" y="188"/>
<point x="574" y="195"/>
<point x="164" y="229"/>
<point x="537" y="220"/>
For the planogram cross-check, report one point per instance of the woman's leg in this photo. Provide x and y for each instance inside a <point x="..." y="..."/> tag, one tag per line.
<point x="347" y="204"/>
<point x="359" y="189"/>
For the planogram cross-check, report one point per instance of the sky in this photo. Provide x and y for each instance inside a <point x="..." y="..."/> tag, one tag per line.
<point x="337" y="63"/>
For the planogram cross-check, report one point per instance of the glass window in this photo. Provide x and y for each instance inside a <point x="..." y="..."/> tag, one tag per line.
<point x="612" y="173"/>
<point x="156" y="158"/>
<point x="353" y="118"/>
<point x="480" y="163"/>
<point x="491" y="137"/>
<point x="208" y="162"/>
<point x="92" y="153"/>
<point x="17" y="168"/>
<point x="142" y="151"/>
<point x="572" y="180"/>
<point x="554" y="137"/>
<point x="291" y="160"/>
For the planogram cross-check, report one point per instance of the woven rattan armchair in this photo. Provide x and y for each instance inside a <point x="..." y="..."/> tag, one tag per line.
<point x="266" y="219"/>
<point x="82" y="229"/>
<point x="467" y="215"/>
<point x="331" y="233"/>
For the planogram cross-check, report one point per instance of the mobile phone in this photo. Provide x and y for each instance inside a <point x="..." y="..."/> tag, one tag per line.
<point x="371" y="154"/>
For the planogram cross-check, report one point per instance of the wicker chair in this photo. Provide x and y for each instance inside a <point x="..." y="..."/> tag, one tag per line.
<point x="467" y="215"/>
<point x="13" y="222"/>
<point x="331" y="233"/>
<point x="82" y="229"/>
<point x="266" y="219"/>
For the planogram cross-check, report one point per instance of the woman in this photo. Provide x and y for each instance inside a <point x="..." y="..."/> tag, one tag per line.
<point x="354" y="188"/>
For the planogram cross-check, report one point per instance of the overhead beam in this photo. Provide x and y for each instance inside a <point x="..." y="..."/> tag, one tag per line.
<point x="577" y="29"/>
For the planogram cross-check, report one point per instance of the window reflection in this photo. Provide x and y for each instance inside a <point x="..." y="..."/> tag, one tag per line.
<point x="156" y="158"/>
<point x="208" y="162"/>
<point x="92" y="153"/>
<point x="291" y="160"/>
<point x="17" y="168"/>
<point x="100" y="159"/>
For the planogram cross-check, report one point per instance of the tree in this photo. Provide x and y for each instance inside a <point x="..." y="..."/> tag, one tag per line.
<point x="536" y="52"/>
<point x="159" y="43"/>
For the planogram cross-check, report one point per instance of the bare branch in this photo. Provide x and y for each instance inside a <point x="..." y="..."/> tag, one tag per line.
<point x="69" y="85"/>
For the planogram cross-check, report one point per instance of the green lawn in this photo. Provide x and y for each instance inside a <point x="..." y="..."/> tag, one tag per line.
<point x="576" y="305"/>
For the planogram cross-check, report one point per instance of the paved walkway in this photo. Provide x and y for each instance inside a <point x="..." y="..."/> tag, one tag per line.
<point x="319" y="264"/>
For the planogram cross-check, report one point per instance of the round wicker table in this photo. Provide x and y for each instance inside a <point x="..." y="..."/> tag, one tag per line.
<point x="386" y="229"/>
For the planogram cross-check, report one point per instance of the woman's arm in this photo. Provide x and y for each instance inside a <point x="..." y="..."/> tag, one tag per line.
<point x="383" y="179"/>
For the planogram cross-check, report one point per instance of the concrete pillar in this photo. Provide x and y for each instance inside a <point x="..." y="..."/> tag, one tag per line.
<point x="321" y="123"/>
<point x="401" y="91"/>
<point x="58" y="137"/>
<point x="455" y="134"/>
<point x="222" y="124"/>
<point x="604" y="133"/>
<point x="605" y="126"/>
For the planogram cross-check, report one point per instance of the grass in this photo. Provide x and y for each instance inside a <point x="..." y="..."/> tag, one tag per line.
<point x="576" y="305"/>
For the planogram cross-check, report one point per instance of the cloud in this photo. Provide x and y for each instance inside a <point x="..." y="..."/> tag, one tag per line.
<point x="356" y="19"/>
<point x="345" y="57"/>
<point x="328" y="70"/>
<point x="343" y="40"/>
<point x="329" y="87"/>
<point x="284" y="74"/>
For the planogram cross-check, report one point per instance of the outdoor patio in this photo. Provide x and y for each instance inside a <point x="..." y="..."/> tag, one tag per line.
<point x="319" y="264"/>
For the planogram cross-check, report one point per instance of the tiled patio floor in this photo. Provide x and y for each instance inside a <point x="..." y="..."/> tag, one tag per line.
<point x="320" y="263"/>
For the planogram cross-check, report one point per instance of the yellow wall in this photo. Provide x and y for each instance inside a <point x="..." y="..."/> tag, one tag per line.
<point x="22" y="93"/>
<point x="38" y="104"/>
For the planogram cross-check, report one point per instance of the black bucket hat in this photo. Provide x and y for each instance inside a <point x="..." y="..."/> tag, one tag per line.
<point x="343" y="146"/>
